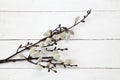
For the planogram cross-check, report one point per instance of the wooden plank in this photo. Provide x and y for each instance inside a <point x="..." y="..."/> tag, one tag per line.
<point x="99" y="25"/>
<point x="53" y="5"/>
<point x="18" y="74"/>
<point x="84" y="53"/>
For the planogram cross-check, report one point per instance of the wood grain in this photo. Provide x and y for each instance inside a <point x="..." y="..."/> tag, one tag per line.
<point x="61" y="5"/>
<point x="95" y="46"/>
<point x="63" y="74"/>
<point x="99" y="25"/>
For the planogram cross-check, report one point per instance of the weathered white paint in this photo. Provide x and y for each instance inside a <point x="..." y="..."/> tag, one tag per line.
<point x="99" y="25"/>
<point x="63" y="74"/>
<point x="64" y="5"/>
<point x="97" y="54"/>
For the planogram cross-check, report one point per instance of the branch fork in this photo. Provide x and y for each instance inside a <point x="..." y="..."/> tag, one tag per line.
<point x="50" y="40"/>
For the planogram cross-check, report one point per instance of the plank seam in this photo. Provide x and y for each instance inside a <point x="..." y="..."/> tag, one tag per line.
<point x="16" y="11"/>
<point x="74" y="68"/>
<point x="70" y="39"/>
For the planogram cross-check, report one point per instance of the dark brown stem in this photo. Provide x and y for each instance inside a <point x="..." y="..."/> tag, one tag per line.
<point x="15" y="60"/>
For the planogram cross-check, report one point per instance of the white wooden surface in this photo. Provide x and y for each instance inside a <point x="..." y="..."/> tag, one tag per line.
<point x="95" y="47"/>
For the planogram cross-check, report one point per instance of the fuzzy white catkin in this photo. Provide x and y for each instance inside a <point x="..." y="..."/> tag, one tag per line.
<point x="21" y="55"/>
<point x="67" y="36"/>
<point x="60" y="60"/>
<point x="32" y="50"/>
<point x="55" y="36"/>
<point x="41" y="44"/>
<point x="48" y="40"/>
<point x="71" y="32"/>
<point x="62" y="35"/>
<point x="68" y="61"/>
<point x="48" y="33"/>
<point x="33" y="53"/>
<point x="44" y="51"/>
<point x="38" y="67"/>
<point x="39" y="59"/>
<point x="77" y="19"/>
<point x="56" y="56"/>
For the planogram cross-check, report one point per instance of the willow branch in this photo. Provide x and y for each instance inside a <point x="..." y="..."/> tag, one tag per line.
<point x="29" y="45"/>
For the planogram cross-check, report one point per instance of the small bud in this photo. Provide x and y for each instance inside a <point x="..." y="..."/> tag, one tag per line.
<point x="48" y="33"/>
<point x="68" y="61"/>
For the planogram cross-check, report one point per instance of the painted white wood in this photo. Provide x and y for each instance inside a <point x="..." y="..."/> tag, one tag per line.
<point x="99" y="25"/>
<point x="28" y="19"/>
<point x="55" y="5"/>
<point x="63" y="74"/>
<point x="84" y="53"/>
